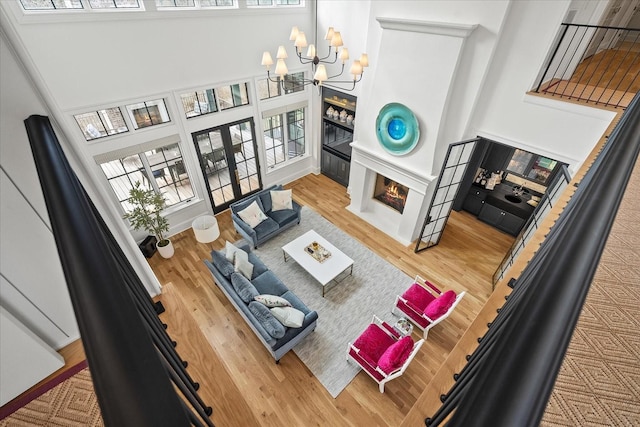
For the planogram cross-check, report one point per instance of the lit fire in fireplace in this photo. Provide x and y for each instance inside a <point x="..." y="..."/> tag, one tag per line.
<point x="391" y="193"/>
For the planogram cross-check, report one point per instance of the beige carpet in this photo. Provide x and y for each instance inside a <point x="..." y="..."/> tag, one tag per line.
<point x="599" y="382"/>
<point x="72" y="403"/>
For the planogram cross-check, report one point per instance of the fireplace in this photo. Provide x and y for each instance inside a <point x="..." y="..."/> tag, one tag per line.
<point x="390" y="193"/>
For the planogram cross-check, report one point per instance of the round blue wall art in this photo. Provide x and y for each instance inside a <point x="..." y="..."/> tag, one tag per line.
<point x="397" y="129"/>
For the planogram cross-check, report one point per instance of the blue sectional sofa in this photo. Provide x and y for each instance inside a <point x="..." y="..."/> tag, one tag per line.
<point x="276" y="222"/>
<point x="241" y="292"/>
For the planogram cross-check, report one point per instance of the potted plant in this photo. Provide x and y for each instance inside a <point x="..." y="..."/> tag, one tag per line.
<point x="145" y="215"/>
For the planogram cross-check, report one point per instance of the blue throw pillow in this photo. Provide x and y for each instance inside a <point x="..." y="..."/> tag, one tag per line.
<point x="222" y="264"/>
<point x="266" y="319"/>
<point x="245" y="290"/>
<point x="268" y="283"/>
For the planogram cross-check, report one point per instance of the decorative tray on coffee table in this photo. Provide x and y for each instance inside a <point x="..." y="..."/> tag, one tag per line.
<point x="319" y="253"/>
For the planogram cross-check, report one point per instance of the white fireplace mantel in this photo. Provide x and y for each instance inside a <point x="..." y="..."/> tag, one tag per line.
<point x="365" y="166"/>
<point x="412" y="178"/>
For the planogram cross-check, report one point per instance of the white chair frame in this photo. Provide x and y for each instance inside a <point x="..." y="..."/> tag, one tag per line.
<point x="419" y="280"/>
<point x="393" y="375"/>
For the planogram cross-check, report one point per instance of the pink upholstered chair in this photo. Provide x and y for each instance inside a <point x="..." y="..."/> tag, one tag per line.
<point x="382" y="352"/>
<point x="425" y="305"/>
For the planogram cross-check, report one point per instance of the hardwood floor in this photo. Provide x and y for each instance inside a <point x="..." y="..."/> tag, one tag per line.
<point x="239" y="378"/>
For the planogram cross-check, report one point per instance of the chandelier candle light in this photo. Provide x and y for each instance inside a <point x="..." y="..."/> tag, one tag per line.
<point x="317" y="64"/>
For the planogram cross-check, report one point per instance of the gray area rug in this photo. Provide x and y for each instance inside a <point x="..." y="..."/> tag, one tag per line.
<point x="347" y="307"/>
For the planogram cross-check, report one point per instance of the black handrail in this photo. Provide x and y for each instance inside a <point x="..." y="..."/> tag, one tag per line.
<point x="131" y="384"/>
<point x="572" y="53"/>
<point x="514" y="383"/>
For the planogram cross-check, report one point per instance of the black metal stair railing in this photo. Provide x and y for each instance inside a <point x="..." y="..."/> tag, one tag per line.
<point x="509" y="377"/>
<point x="548" y="200"/>
<point x="135" y="369"/>
<point x="593" y="63"/>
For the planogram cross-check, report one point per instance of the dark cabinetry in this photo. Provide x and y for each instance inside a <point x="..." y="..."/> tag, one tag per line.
<point x="335" y="167"/>
<point x="500" y="219"/>
<point x="338" y="115"/>
<point x="497" y="157"/>
<point x="474" y="200"/>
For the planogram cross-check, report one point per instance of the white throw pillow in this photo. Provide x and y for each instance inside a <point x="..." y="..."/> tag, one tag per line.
<point x="252" y="215"/>
<point x="230" y="250"/>
<point x="281" y="200"/>
<point x="272" y="300"/>
<point x="242" y="264"/>
<point x="288" y="316"/>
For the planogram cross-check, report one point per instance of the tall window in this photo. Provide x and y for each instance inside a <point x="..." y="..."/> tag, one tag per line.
<point x="161" y="169"/>
<point x="101" y="123"/>
<point x="295" y="121"/>
<point x="148" y="113"/>
<point x="232" y="96"/>
<point x="273" y="140"/>
<point x="284" y="136"/>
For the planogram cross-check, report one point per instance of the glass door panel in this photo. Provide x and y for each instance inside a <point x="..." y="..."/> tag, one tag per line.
<point x="452" y="173"/>
<point x="244" y="151"/>
<point x="228" y="162"/>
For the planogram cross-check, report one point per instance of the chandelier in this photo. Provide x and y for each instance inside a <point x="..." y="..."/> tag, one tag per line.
<point x="319" y="71"/>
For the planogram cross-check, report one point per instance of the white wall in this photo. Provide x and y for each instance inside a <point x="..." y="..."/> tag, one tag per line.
<point x="33" y="287"/>
<point x="100" y="61"/>
<point x="416" y="75"/>
<point x="88" y="61"/>
<point x="20" y="349"/>
<point x="558" y="129"/>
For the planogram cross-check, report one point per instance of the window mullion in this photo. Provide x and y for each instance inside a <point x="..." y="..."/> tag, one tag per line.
<point x="149" y="172"/>
<point x="285" y="135"/>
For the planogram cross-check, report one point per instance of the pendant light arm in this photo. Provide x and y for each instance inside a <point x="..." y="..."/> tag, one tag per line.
<point x="305" y="59"/>
<point x="353" y="82"/>
<point x="323" y="59"/>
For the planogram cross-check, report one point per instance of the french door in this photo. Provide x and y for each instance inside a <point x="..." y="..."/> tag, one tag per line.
<point x="452" y="173"/>
<point x="228" y="161"/>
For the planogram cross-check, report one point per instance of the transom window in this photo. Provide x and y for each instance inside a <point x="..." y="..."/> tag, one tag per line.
<point x="50" y="4"/>
<point x="88" y="5"/>
<point x="101" y="123"/>
<point x="284" y="136"/>
<point x="199" y="102"/>
<point x="269" y="89"/>
<point x="232" y="96"/>
<point x="194" y="3"/>
<point x="78" y="4"/>
<point x="109" y="4"/>
<point x="258" y="3"/>
<point x="161" y="169"/>
<point x="148" y="113"/>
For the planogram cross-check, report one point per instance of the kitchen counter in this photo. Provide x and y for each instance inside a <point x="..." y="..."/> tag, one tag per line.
<point x="496" y="197"/>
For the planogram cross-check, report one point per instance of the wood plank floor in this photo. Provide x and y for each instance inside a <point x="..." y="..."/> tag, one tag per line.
<point x="238" y="377"/>
<point x="241" y="380"/>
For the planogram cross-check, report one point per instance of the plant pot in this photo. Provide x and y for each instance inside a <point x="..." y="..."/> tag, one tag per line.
<point x="166" y="251"/>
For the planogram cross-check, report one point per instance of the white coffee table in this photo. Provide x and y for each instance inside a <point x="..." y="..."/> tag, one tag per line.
<point x="325" y="271"/>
